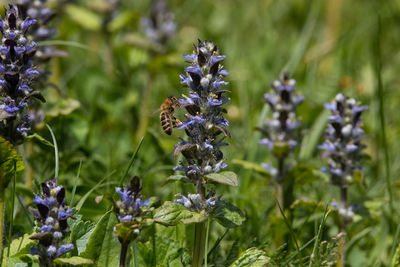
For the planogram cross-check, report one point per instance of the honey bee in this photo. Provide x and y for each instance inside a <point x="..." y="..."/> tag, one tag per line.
<point x="168" y="121"/>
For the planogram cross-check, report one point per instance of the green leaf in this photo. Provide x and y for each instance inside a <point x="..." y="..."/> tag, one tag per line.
<point x="252" y="257"/>
<point x="75" y="261"/>
<point x="84" y="17"/>
<point x="251" y="166"/>
<point x="8" y="157"/>
<point x="63" y="107"/>
<point x="17" y="262"/>
<point x="102" y="245"/>
<point x="175" y="178"/>
<point x="171" y="214"/>
<point x="20" y="246"/>
<point x="40" y="140"/>
<point x="302" y="174"/>
<point x="80" y="232"/>
<point x="228" y="178"/>
<point x="122" y="20"/>
<point x="228" y="215"/>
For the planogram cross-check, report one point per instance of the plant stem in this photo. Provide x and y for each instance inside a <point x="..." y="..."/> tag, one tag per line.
<point x="199" y="232"/>
<point x="199" y="242"/>
<point x="206" y="244"/>
<point x="154" y="243"/>
<point x="279" y="197"/>
<point x="122" y="256"/>
<point x="28" y="169"/>
<point x="279" y="186"/>
<point x="2" y="213"/>
<point x="12" y="211"/>
<point x="343" y="230"/>
<point x="135" y="254"/>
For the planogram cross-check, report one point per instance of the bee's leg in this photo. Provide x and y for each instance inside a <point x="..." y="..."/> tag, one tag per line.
<point x="176" y="122"/>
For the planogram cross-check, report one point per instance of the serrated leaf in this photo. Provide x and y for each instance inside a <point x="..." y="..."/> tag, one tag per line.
<point x="75" y="261"/>
<point x="171" y="214"/>
<point x="80" y="232"/>
<point x="84" y="17"/>
<point x="228" y="178"/>
<point x="102" y="245"/>
<point x="40" y="140"/>
<point x="251" y="166"/>
<point x="228" y="215"/>
<point x="252" y="257"/>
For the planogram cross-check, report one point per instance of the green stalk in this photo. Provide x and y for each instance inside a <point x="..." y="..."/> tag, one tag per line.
<point x="2" y="214"/>
<point x="206" y="244"/>
<point x="341" y="258"/>
<point x="123" y="253"/>
<point x="199" y="242"/>
<point x="199" y="232"/>
<point x="135" y="253"/>
<point x="12" y="211"/>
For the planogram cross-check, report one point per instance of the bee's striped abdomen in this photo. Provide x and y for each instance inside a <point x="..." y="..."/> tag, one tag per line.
<point x="166" y="122"/>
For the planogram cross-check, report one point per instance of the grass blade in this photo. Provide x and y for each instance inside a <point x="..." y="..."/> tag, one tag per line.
<point x="55" y="151"/>
<point x="131" y="161"/>
<point x="75" y="184"/>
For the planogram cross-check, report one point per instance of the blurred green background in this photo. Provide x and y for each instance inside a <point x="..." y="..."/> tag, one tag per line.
<point x="105" y="95"/>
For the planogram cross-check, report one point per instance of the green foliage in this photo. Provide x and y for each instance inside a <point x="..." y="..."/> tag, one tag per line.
<point x="171" y="214"/>
<point x="228" y="215"/>
<point x="228" y="178"/>
<point x="102" y="245"/>
<point x="10" y="162"/>
<point x="252" y="257"/>
<point x="74" y="261"/>
<point x="95" y="102"/>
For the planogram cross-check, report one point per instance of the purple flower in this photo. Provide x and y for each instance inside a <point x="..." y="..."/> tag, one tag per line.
<point x="27" y="23"/>
<point x="64" y="249"/>
<point x="343" y="137"/>
<point x="131" y="204"/>
<point x="191" y="57"/>
<point x="51" y="215"/>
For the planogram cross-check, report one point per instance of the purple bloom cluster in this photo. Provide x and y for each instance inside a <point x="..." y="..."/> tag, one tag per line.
<point x="40" y="31"/>
<point x="17" y="74"/>
<point x="205" y="120"/>
<point x="51" y="216"/>
<point x="131" y="204"/>
<point x="280" y="131"/>
<point x="194" y="202"/>
<point x="160" y="26"/>
<point x="342" y="145"/>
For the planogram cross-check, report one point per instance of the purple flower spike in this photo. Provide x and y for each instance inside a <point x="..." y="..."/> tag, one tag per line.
<point x="343" y="139"/>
